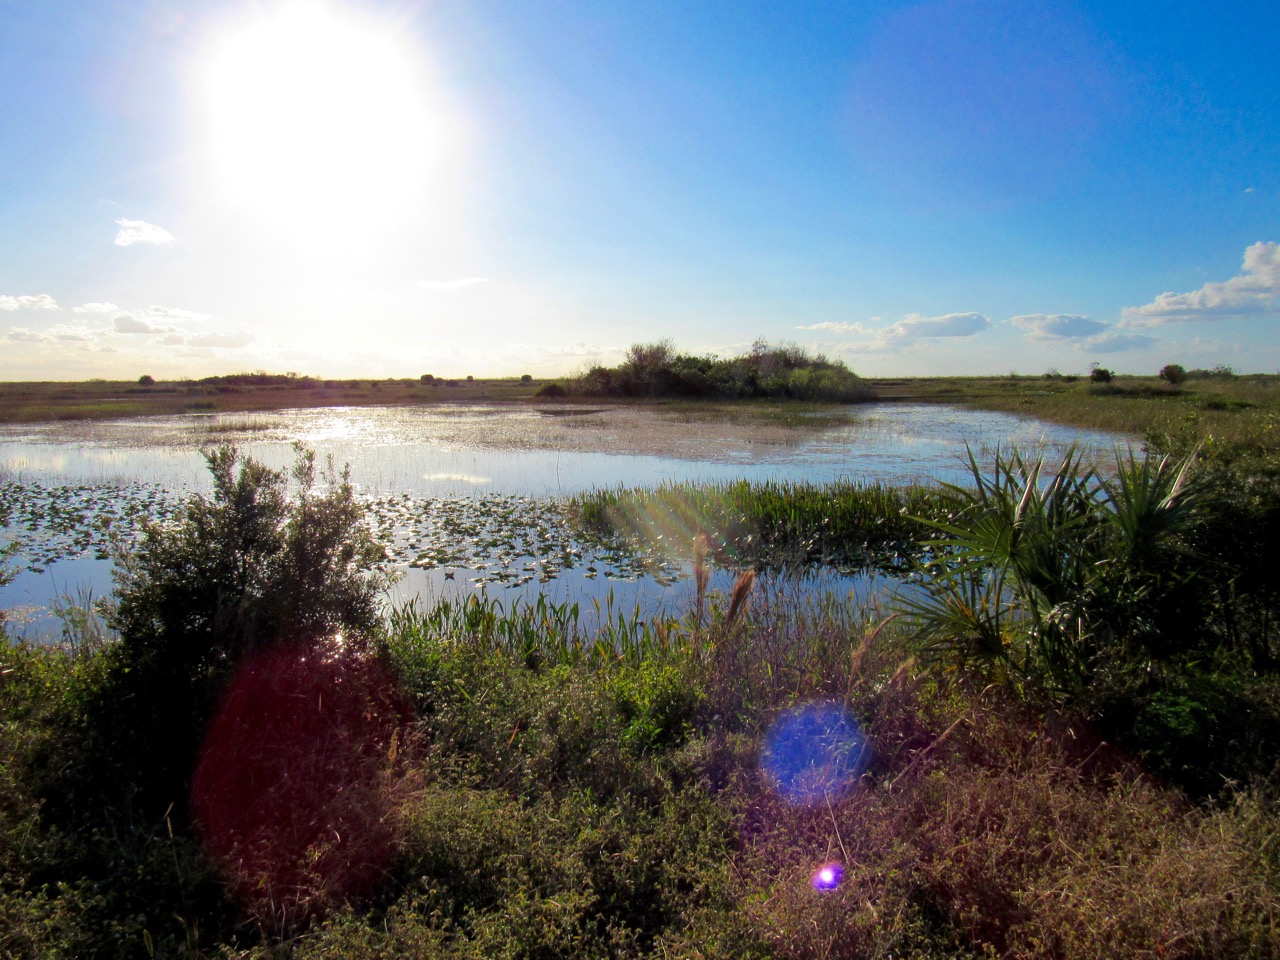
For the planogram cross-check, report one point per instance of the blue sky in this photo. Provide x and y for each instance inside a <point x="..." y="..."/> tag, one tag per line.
<point x="390" y="188"/>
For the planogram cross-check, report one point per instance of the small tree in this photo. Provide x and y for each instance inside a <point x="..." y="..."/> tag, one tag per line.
<point x="1173" y="373"/>
<point x="146" y="380"/>
<point x="1100" y="374"/>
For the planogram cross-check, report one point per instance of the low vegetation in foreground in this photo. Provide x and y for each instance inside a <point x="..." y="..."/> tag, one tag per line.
<point x="1061" y="741"/>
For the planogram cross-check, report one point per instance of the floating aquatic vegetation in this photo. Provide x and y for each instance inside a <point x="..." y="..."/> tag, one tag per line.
<point x="492" y="539"/>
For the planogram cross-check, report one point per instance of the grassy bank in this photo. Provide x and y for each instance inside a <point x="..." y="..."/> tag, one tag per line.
<point x="24" y="402"/>
<point x="1238" y="415"/>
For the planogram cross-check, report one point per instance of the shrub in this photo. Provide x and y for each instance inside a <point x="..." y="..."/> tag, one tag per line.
<point x="146" y="380"/>
<point x="1100" y="375"/>
<point x="1173" y="373"/>
<point x="245" y="569"/>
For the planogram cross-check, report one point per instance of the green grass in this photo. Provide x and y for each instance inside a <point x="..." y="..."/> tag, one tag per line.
<point x="769" y="524"/>
<point x="583" y="804"/>
<point x="1236" y="415"/>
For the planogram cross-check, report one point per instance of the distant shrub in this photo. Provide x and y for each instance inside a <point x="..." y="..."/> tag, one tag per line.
<point x="1173" y="373"/>
<point x="781" y="371"/>
<point x="526" y="378"/>
<point x="1100" y="375"/>
<point x="553" y="390"/>
<point x="146" y="380"/>
<point x="427" y="378"/>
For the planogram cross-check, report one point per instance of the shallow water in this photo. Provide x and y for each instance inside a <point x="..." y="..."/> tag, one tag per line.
<point x="497" y="472"/>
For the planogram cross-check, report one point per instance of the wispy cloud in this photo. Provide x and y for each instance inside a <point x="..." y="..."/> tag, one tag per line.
<point x="129" y="323"/>
<point x="226" y="340"/>
<point x="96" y="308"/>
<point x="451" y="284"/>
<point x="1056" y="327"/>
<point x="139" y="231"/>
<point x="911" y="329"/>
<point x="1255" y="290"/>
<point x="1116" y="343"/>
<point x="1073" y="329"/>
<point x="60" y="333"/>
<point x="40" y="301"/>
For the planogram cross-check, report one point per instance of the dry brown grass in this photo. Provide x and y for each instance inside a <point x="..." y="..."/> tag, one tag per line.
<point x="994" y="836"/>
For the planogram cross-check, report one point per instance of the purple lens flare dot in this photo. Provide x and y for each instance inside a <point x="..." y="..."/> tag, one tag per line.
<point x="827" y="877"/>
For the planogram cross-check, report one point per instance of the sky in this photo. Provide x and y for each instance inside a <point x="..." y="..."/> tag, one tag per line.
<point x="389" y="188"/>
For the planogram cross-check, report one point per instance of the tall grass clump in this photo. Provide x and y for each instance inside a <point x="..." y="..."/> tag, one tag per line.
<point x="768" y="524"/>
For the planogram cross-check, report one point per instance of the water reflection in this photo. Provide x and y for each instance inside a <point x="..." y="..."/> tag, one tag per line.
<point x="504" y="466"/>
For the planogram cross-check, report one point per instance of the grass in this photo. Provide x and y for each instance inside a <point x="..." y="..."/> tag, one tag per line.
<point x="23" y="402"/>
<point x="770" y="524"/>
<point x="1240" y="413"/>
<point x="559" y="799"/>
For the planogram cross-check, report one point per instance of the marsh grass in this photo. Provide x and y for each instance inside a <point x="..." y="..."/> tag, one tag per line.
<point x="1227" y="414"/>
<point x="769" y="524"/>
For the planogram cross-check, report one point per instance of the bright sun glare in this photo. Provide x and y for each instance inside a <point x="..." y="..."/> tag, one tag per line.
<point x="319" y="122"/>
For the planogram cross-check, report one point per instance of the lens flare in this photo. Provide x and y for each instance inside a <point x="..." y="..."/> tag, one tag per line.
<point x="827" y="877"/>
<point x="814" y="753"/>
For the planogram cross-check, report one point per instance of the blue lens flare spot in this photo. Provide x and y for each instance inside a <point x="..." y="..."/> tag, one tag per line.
<point x="827" y="877"/>
<point x="814" y="753"/>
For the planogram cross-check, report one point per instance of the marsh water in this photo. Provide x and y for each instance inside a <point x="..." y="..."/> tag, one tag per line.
<point x="470" y="497"/>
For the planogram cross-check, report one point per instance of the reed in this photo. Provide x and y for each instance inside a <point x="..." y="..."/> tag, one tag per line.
<point x="770" y="524"/>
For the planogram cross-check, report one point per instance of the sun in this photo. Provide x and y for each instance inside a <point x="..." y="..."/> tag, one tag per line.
<point x="319" y="123"/>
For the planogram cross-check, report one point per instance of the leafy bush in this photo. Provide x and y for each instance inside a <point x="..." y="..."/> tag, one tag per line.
<point x="1173" y="373"/>
<point x="783" y="371"/>
<point x="246" y="569"/>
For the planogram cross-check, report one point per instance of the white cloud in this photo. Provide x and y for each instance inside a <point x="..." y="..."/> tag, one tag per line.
<point x="451" y="284"/>
<point x="130" y="323"/>
<point x="23" y="335"/>
<point x="1056" y="327"/>
<point x="1256" y="290"/>
<point x="139" y="231"/>
<point x="226" y="340"/>
<point x="39" y="302"/>
<point x="910" y="329"/>
<point x="1087" y="336"/>
<point x="834" y="327"/>
<point x="72" y="334"/>
<point x="175" y="314"/>
<point x="96" y="308"/>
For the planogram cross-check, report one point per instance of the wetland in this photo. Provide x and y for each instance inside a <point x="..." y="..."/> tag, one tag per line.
<point x="487" y="496"/>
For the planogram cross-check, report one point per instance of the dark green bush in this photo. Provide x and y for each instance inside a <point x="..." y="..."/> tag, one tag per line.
<point x="246" y="568"/>
<point x="782" y="372"/>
